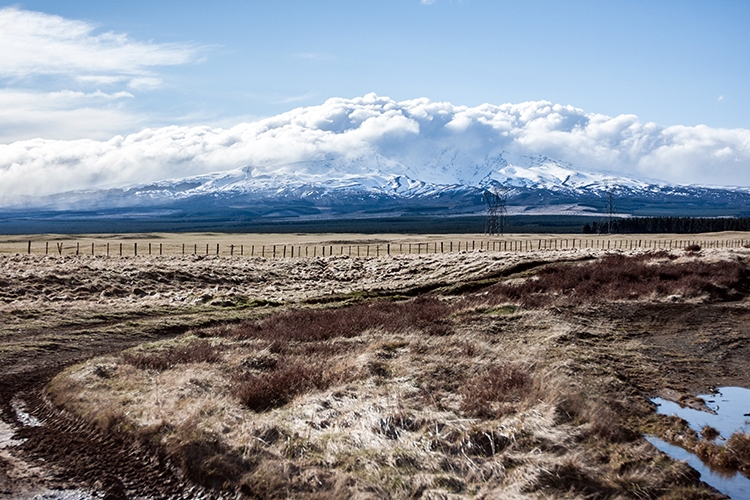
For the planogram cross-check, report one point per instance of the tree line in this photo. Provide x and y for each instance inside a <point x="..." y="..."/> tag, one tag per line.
<point x="678" y="225"/>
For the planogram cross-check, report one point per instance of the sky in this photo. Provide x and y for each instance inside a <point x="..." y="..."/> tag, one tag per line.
<point x="75" y="75"/>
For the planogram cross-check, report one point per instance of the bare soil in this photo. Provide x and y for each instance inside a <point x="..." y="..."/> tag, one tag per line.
<point x="61" y="311"/>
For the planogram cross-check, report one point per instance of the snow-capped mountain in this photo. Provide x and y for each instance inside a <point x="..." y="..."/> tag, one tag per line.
<point x="339" y="186"/>
<point x="371" y="156"/>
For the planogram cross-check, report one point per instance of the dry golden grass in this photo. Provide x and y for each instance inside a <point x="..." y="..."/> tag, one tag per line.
<point x="173" y="244"/>
<point x="462" y="392"/>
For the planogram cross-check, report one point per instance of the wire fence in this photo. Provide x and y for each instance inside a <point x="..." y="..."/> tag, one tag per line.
<point x="304" y="250"/>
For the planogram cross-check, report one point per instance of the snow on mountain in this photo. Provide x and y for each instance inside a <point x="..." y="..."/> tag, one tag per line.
<point x="374" y="139"/>
<point x="372" y="154"/>
<point x="375" y="173"/>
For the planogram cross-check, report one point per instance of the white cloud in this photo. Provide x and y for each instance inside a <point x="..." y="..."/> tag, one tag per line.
<point x="65" y="114"/>
<point x="35" y="43"/>
<point x="40" y="51"/>
<point x="427" y="2"/>
<point x="434" y="139"/>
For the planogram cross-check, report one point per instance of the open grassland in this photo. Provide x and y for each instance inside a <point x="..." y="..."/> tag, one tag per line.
<point x="272" y="245"/>
<point x="480" y="374"/>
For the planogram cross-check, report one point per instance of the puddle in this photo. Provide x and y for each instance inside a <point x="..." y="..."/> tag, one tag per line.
<point x="730" y="408"/>
<point x="6" y="436"/>
<point x="23" y="416"/>
<point x="730" y="404"/>
<point x="734" y="485"/>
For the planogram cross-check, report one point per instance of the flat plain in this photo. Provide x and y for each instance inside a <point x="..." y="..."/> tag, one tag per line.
<point x="464" y="374"/>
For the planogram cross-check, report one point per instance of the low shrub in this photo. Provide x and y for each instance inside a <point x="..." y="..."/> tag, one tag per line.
<point x="315" y="325"/>
<point x="499" y="384"/>
<point x="275" y="388"/>
<point x="198" y="351"/>
<point x="618" y="277"/>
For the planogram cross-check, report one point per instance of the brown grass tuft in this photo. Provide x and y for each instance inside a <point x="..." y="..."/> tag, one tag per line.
<point x="198" y="351"/>
<point x="739" y="444"/>
<point x="316" y="325"/>
<point x="277" y="387"/>
<point x="505" y="384"/>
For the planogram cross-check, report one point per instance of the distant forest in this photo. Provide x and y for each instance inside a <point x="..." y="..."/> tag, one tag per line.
<point x="680" y="225"/>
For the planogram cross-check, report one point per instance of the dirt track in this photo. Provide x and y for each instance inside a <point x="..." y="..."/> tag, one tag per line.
<point x="65" y="453"/>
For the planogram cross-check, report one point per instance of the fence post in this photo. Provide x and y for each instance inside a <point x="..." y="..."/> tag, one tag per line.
<point x="107" y="249"/>
<point x="120" y="249"/>
<point x="441" y="247"/>
<point x="217" y="249"/>
<point x="149" y="248"/>
<point x="92" y="248"/>
<point x="231" y="250"/>
<point x="46" y="248"/>
<point x="389" y="249"/>
<point x="78" y="247"/>
<point x="242" y="250"/>
<point x="183" y="249"/>
<point x="28" y="251"/>
<point x="284" y="256"/>
<point x="135" y="249"/>
<point x="206" y="248"/>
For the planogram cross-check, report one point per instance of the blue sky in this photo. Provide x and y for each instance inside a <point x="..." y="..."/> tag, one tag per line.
<point x="671" y="62"/>
<point x="90" y="69"/>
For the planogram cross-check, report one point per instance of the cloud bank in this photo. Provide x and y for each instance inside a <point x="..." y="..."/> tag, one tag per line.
<point x="35" y="43"/>
<point x="53" y="69"/>
<point x="433" y="140"/>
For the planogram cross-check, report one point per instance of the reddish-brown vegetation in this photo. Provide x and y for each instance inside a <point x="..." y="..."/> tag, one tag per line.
<point x="196" y="352"/>
<point x="315" y="325"/>
<point x="499" y="384"/>
<point x="620" y="277"/>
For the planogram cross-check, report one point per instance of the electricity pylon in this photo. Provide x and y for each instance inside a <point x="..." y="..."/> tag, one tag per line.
<point x="497" y="211"/>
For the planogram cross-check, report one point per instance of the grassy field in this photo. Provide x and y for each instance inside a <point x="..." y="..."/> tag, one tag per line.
<point x="456" y="375"/>
<point x="251" y="244"/>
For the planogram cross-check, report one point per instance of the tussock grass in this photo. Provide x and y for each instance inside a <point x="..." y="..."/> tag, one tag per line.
<point x="316" y="325"/>
<point x="433" y="397"/>
<point x="497" y="391"/>
<point x="279" y="386"/>
<point x="198" y="351"/>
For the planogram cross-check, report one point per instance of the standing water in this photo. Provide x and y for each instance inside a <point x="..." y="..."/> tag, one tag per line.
<point x="730" y="413"/>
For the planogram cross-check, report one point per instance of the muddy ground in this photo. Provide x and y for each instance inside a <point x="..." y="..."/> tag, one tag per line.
<point x="59" y="311"/>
